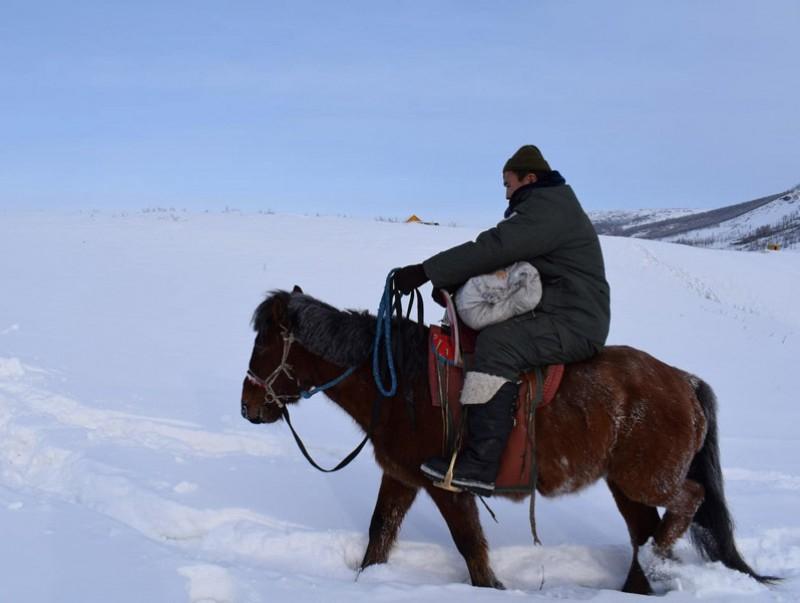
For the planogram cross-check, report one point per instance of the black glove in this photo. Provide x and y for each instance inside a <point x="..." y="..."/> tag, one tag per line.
<point x="409" y="278"/>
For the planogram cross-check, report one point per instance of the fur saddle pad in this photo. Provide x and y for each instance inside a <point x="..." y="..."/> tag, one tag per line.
<point x="446" y="380"/>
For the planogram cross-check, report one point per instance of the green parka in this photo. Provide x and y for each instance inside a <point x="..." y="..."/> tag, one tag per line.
<point x="549" y="229"/>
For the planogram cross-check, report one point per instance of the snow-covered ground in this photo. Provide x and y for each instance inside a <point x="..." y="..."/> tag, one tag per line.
<point x="127" y="474"/>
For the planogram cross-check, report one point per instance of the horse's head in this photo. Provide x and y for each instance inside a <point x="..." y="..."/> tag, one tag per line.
<point x="271" y="381"/>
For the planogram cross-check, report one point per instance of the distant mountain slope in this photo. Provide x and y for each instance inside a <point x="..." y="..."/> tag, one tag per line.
<point x="619" y="222"/>
<point x="751" y="225"/>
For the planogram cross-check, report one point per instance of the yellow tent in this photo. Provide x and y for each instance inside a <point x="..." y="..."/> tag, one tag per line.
<point x="413" y="218"/>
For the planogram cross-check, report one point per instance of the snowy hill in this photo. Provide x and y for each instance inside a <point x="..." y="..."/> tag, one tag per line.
<point x="127" y="473"/>
<point x="616" y="221"/>
<point x="747" y="226"/>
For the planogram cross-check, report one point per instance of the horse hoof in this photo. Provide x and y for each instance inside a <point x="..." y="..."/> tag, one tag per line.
<point x="664" y="553"/>
<point x="637" y="584"/>
<point x="494" y="583"/>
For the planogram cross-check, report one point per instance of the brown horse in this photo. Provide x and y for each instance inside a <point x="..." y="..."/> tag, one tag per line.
<point x="647" y="428"/>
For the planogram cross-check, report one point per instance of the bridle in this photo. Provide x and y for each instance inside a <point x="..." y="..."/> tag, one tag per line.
<point x="270" y="397"/>
<point x="383" y="335"/>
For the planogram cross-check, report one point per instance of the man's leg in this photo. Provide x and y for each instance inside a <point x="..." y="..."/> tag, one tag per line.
<point x="488" y="427"/>
<point x="515" y="346"/>
<point x="503" y="351"/>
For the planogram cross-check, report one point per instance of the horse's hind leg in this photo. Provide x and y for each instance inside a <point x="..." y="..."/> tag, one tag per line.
<point x="642" y="521"/>
<point x="394" y="500"/>
<point x="680" y="509"/>
<point x="461" y="514"/>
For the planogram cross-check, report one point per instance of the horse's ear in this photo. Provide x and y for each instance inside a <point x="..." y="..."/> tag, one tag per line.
<point x="297" y="289"/>
<point x="279" y="309"/>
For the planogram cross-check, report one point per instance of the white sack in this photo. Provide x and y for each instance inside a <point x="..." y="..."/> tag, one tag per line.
<point x="491" y="298"/>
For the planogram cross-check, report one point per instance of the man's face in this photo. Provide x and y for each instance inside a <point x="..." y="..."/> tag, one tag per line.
<point x="512" y="183"/>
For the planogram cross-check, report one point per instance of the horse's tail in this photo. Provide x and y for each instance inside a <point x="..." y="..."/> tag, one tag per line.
<point x="712" y="526"/>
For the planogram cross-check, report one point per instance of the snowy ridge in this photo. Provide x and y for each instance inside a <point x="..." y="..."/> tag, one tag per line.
<point x="613" y="221"/>
<point x="752" y="226"/>
<point x="776" y="222"/>
<point x="127" y="474"/>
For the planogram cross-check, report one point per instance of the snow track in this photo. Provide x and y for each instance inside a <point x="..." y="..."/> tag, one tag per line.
<point x="126" y="471"/>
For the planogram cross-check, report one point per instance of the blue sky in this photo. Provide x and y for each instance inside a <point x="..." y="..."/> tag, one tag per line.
<point x="384" y="108"/>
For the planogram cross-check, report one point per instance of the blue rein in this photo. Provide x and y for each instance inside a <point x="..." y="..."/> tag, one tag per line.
<point x="307" y="393"/>
<point x="383" y="331"/>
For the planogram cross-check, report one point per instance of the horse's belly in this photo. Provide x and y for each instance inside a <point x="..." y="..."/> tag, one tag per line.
<point x="572" y="448"/>
<point x="560" y="476"/>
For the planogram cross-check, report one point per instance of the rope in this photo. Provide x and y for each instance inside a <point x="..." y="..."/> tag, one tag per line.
<point x="534" y="404"/>
<point x="383" y="331"/>
<point x="452" y="318"/>
<point x="488" y="508"/>
<point x="346" y="460"/>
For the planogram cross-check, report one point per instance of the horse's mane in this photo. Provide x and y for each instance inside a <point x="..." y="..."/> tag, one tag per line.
<point x="342" y="337"/>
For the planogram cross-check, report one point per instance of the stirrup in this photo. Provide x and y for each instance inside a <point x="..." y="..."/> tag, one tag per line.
<point x="447" y="482"/>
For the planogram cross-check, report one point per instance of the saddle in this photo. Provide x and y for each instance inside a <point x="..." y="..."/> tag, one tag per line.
<point x="446" y="378"/>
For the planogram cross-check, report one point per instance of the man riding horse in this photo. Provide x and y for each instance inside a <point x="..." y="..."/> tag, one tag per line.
<point x="545" y="225"/>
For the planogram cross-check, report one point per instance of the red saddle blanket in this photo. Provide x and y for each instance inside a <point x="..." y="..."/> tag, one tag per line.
<point x="446" y="380"/>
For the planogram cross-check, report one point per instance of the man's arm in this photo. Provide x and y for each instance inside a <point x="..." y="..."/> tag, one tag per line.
<point x="531" y="232"/>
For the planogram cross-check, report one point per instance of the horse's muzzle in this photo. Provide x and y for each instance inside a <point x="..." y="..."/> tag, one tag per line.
<point x="256" y="418"/>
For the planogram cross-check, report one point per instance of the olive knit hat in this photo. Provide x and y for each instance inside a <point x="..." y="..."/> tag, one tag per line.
<point x="527" y="159"/>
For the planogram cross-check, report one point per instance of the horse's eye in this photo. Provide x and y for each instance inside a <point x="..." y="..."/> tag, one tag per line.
<point x="261" y="341"/>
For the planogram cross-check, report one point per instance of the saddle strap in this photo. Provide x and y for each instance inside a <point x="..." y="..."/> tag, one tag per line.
<point x="535" y="402"/>
<point x="406" y="385"/>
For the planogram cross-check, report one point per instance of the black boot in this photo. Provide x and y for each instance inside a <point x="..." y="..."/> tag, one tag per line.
<point x="488" y="427"/>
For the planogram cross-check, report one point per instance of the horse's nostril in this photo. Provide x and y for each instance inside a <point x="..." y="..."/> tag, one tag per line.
<point x="244" y="410"/>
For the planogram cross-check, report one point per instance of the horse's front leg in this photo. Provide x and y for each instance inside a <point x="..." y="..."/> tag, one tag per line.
<point x="461" y="514"/>
<point x="394" y="500"/>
